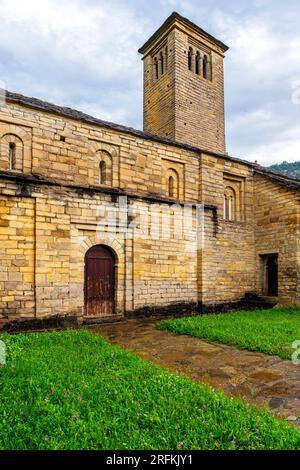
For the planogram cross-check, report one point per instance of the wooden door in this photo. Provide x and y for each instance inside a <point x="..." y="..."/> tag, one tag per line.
<point x="99" y="282"/>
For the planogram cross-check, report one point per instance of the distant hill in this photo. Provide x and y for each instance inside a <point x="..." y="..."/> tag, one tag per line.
<point x="289" y="169"/>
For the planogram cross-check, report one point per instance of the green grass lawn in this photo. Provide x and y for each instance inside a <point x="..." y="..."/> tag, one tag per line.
<point x="73" y="390"/>
<point x="269" y="331"/>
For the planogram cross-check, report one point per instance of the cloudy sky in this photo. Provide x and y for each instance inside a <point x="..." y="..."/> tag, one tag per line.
<point x="83" y="54"/>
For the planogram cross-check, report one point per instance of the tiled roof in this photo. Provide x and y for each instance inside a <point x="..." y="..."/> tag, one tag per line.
<point x="172" y="18"/>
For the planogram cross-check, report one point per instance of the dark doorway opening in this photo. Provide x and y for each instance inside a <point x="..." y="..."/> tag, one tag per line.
<point x="272" y="276"/>
<point x="99" y="285"/>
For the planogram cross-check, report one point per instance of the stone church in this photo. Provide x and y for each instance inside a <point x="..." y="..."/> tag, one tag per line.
<point x="100" y="221"/>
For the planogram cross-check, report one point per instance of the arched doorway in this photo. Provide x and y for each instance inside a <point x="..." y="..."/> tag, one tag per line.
<point x="99" y="284"/>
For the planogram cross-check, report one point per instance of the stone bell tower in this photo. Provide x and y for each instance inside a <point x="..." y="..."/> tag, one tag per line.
<point x="184" y="85"/>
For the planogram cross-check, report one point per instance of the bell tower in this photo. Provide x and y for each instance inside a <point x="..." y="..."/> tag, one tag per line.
<point x="184" y="85"/>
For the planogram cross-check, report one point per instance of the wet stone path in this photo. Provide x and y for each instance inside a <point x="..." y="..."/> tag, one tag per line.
<point x="257" y="378"/>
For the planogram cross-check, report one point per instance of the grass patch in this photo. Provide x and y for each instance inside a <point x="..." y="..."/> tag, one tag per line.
<point x="268" y="331"/>
<point x="73" y="390"/>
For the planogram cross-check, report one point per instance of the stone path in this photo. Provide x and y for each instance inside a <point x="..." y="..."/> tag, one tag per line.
<point x="257" y="378"/>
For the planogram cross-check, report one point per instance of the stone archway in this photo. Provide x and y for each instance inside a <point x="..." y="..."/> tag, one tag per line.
<point x="82" y="242"/>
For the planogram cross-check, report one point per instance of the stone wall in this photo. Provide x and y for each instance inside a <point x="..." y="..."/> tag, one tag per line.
<point x="199" y="102"/>
<point x="228" y="267"/>
<point x="277" y="213"/>
<point x="17" y="251"/>
<point x="137" y="163"/>
<point x="45" y="236"/>
<point x="159" y="94"/>
<point x="51" y="205"/>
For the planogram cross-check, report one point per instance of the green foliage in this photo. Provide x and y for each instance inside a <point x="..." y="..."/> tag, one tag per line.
<point x="289" y="169"/>
<point x="73" y="390"/>
<point x="268" y="331"/>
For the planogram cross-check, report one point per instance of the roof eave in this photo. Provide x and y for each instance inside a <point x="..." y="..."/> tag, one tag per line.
<point x="169" y="22"/>
<point x="69" y="113"/>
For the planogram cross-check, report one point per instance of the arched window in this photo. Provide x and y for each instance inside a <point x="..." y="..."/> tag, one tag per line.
<point x="162" y="63"/>
<point x="12" y="156"/>
<point x="102" y="173"/>
<point x="230" y="205"/>
<point x="171" y="186"/>
<point x="11" y="152"/>
<point x="205" y="67"/>
<point x="190" y="58"/>
<point x="156" y="68"/>
<point x="172" y="183"/>
<point x="225" y="207"/>
<point x="198" y="63"/>
<point x="230" y="208"/>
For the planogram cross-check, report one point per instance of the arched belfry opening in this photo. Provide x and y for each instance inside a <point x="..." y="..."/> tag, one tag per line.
<point x="99" y="281"/>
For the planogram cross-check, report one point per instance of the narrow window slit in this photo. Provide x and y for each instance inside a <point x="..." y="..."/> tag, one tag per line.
<point x="102" y="172"/>
<point x="12" y="156"/>
<point x="190" y="58"/>
<point x="171" y="186"/>
<point x="205" y="67"/>
<point x="156" y="68"/>
<point x="162" y="69"/>
<point x="198" y="63"/>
